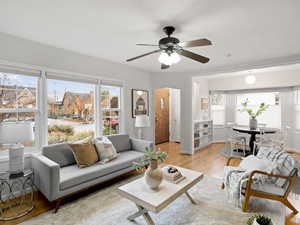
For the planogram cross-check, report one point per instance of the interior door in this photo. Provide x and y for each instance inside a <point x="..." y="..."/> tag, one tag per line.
<point x="161" y="115"/>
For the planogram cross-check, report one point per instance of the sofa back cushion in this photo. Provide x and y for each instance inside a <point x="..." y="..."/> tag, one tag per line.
<point x="60" y="153"/>
<point x="121" y="142"/>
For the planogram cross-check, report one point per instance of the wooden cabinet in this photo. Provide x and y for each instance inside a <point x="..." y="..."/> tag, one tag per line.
<point x="203" y="134"/>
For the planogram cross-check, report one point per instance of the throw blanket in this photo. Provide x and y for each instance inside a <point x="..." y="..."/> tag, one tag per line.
<point x="296" y="189"/>
<point x="235" y="178"/>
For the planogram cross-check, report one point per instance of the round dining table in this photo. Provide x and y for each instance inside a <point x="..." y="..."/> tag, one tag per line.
<point x="253" y="133"/>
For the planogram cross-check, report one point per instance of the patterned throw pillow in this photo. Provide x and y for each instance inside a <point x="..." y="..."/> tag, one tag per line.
<point x="84" y="154"/>
<point x="283" y="163"/>
<point x="105" y="149"/>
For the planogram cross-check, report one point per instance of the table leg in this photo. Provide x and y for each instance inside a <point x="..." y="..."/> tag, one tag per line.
<point x="142" y="212"/>
<point x="191" y="199"/>
<point x="251" y="143"/>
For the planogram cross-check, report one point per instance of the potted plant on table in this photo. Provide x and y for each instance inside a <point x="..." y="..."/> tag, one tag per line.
<point x="153" y="175"/>
<point x="259" y="220"/>
<point x="253" y="115"/>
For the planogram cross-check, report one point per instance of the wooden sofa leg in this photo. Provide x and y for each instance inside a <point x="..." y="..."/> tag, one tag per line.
<point x="57" y="205"/>
<point x="290" y="206"/>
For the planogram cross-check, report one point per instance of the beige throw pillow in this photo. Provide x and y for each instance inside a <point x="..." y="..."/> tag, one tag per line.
<point x="105" y="149"/>
<point x="84" y="154"/>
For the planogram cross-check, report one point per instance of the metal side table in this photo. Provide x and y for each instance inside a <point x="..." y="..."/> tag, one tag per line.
<point x="16" y="195"/>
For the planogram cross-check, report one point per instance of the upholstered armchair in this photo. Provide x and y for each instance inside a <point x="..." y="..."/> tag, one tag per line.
<point x="276" y="185"/>
<point x="271" y="191"/>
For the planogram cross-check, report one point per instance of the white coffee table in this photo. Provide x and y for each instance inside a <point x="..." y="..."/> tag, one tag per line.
<point x="147" y="199"/>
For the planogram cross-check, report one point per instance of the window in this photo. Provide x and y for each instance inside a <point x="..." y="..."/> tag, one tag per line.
<point x="110" y="97"/>
<point x="297" y="108"/>
<point x="18" y="100"/>
<point x="218" y="102"/>
<point x="70" y="111"/>
<point x="271" y="117"/>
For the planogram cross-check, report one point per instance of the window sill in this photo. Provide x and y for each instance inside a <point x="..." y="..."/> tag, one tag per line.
<point x="27" y="154"/>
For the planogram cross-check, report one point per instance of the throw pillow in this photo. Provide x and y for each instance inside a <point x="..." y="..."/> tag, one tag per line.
<point x="105" y="149"/>
<point x="83" y="141"/>
<point x="84" y="154"/>
<point x="251" y="163"/>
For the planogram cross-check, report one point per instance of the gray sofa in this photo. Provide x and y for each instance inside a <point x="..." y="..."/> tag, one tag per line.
<point x="57" y="174"/>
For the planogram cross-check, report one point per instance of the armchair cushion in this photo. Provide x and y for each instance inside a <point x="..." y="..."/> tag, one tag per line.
<point x="251" y="163"/>
<point x="283" y="163"/>
<point x="268" y="188"/>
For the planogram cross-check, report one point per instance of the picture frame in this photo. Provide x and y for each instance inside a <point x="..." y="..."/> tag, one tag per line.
<point x="139" y="102"/>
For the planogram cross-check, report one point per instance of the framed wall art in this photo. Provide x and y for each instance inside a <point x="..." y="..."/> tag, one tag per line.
<point x="140" y="102"/>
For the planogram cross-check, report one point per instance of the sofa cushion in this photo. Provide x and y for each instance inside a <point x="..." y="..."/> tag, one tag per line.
<point x="84" y="154"/>
<point x="72" y="176"/>
<point x="121" y="142"/>
<point x="60" y="153"/>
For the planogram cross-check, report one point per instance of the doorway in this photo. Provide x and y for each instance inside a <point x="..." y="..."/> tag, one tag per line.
<point x="167" y="115"/>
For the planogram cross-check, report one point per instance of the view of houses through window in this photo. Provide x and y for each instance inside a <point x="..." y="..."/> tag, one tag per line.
<point x="110" y="107"/>
<point x="70" y="111"/>
<point x="70" y="104"/>
<point x="18" y="99"/>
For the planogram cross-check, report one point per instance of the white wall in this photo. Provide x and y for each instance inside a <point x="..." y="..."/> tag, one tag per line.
<point x="19" y="50"/>
<point x="267" y="79"/>
<point x="200" y="90"/>
<point x="174" y="114"/>
<point x="235" y="81"/>
<point x="24" y="51"/>
<point x="184" y="83"/>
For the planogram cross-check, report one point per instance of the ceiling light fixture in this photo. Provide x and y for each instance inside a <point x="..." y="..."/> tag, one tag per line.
<point x="251" y="79"/>
<point x="167" y="59"/>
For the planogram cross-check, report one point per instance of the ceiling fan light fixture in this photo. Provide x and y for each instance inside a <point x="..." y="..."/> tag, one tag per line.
<point x="175" y="57"/>
<point x="166" y="59"/>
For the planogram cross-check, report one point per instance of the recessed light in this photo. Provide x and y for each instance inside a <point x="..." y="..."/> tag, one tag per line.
<point x="251" y="79"/>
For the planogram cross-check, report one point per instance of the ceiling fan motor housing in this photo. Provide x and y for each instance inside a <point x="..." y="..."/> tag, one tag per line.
<point x="169" y="44"/>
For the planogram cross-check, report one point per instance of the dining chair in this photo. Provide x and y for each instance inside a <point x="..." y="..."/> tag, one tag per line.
<point x="235" y="140"/>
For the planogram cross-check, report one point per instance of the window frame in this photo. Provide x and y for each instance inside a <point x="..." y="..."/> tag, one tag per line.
<point x="62" y="78"/>
<point x="36" y="110"/>
<point x="223" y="110"/>
<point x="237" y="106"/>
<point x="41" y="109"/>
<point x="119" y="109"/>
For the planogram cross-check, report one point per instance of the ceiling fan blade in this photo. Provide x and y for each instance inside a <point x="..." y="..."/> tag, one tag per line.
<point x="146" y="45"/>
<point x="193" y="56"/>
<point x="140" y="56"/>
<point x="195" y="43"/>
<point x="164" y="66"/>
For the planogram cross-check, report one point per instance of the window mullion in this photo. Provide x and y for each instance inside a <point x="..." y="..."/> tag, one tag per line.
<point x="43" y="108"/>
<point x="98" y="114"/>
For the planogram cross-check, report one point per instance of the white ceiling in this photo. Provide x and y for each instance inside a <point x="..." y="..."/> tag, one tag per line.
<point x="250" y="31"/>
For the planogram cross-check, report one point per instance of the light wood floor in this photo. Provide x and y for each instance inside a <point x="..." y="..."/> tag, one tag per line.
<point x="207" y="160"/>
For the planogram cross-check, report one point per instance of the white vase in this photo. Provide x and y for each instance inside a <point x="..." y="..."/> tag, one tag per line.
<point x="252" y="123"/>
<point x="153" y="175"/>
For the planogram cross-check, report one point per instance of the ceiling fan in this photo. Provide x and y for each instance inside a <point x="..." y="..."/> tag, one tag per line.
<point x="170" y="49"/>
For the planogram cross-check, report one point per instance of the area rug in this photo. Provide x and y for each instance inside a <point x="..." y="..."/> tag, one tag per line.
<point x="106" y="207"/>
